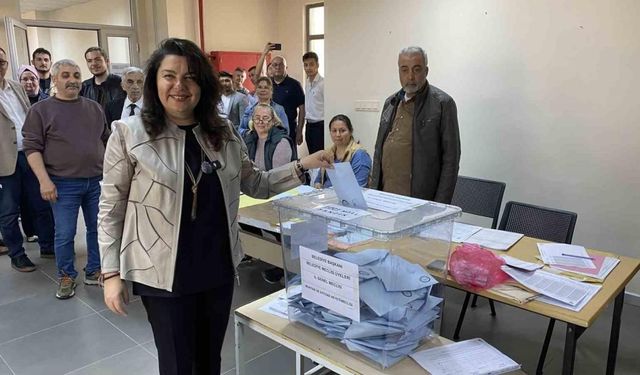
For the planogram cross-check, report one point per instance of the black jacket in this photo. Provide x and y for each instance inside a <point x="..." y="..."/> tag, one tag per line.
<point x="436" y="144"/>
<point x="113" y="110"/>
<point x="109" y="90"/>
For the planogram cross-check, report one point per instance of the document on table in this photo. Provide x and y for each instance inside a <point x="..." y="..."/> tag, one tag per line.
<point x="591" y="289"/>
<point x="604" y="266"/>
<point x="494" y="239"/>
<point x="565" y="255"/>
<point x="521" y="264"/>
<point x="346" y="186"/>
<point x="473" y="356"/>
<point x="277" y="306"/>
<point x="560" y="288"/>
<point x="389" y="202"/>
<point x="462" y="231"/>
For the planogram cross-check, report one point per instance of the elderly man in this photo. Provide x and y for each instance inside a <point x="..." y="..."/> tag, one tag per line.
<point x="288" y="93"/>
<point x="28" y="76"/>
<point x="132" y="84"/>
<point x="41" y="60"/>
<point x="64" y="140"/>
<point x="417" y="151"/>
<point x="102" y="87"/>
<point x="16" y="178"/>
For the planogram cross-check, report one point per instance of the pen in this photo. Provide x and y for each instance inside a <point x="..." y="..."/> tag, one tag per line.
<point x="576" y="256"/>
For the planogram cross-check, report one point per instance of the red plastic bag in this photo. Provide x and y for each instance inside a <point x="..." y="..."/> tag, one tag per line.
<point x="477" y="268"/>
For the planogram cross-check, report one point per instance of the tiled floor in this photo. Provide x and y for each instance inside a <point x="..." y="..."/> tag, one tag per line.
<point x="42" y="335"/>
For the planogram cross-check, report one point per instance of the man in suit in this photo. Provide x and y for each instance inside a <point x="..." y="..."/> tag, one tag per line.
<point x="233" y="103"/>
<point x="131" y="105"/>
<point x="17" y="178"/>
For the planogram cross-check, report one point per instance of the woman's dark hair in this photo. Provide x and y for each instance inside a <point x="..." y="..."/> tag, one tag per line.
<point x="205" y="112"/>
<point x="344" y="119"/>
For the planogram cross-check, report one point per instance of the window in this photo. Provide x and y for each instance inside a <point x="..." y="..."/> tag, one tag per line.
<point x="315" y="32"/>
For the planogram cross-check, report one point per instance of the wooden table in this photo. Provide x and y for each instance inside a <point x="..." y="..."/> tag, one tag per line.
<point x="309" y="343"/>
<point x="265" y="217"/>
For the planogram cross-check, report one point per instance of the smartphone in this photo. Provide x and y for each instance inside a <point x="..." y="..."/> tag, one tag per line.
<point x="276" y="46"/>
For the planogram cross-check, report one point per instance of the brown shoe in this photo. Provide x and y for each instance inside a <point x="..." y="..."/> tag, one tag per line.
<point x="4" y="250"/>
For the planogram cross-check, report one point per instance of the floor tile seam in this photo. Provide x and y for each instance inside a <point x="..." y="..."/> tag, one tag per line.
<point x="7" y="364"/>
<point x="117" y="328"/>
<point x="102" y="359"/>
<point x="47" y="329"/>
<point x="254" y="358"/>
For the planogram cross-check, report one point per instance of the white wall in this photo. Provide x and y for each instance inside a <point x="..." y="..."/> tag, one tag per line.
<point x="546" y="95"/>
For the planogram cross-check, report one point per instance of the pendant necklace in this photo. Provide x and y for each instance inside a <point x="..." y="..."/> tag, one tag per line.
<point x="194" y="186"/>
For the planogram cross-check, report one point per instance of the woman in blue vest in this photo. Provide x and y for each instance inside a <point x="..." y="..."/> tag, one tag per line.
<point x="268" y="144"/>
<point x="345" y="149"/>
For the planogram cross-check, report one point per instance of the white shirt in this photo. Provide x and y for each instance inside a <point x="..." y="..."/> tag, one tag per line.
<point x="314" y="99"/>
<point x="226" y="100"/>
<point x="126" y="110"/>
<point x="11" y="104"/>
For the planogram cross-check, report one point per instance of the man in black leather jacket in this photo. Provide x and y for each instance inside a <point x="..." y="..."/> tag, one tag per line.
<point x="102" y="87"/>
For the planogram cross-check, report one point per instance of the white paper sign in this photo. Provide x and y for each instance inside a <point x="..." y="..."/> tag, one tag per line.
<point x="330" y="282"/>
<point x="389" y="202"/>
<point x="342" y="213"/>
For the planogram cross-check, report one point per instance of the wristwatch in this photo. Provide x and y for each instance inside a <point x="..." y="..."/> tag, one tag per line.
<point x="300" y="167"/>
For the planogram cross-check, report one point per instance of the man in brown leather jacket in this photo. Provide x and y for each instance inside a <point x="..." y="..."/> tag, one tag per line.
<point x="417" y="150"/>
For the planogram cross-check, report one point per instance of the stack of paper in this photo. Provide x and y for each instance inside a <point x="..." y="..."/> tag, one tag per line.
<point x="388" y="202"/>
<point x="473" y="356"/>
<point x="556" y="290"/>
<point x="396" y="307"/>
<point x="575" y="259"/>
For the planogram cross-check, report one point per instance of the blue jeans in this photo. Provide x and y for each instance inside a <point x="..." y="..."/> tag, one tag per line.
<point x="22" y="186"/>
<point x="74" y="193"/>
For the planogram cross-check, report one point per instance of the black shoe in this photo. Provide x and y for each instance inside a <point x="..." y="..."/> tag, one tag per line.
<point x="22" y="264"/>
<point x="273" y="275"/>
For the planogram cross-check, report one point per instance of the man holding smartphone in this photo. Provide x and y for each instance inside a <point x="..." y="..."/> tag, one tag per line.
<point x="287" y="92"/>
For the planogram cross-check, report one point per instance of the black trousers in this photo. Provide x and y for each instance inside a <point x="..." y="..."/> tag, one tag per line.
<point x="189" y="330"/>
<point x="314" y="135"/>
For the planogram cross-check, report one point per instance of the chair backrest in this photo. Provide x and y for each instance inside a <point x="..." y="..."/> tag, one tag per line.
<point x="479" y="197"/>
<point x="539" y="222"/>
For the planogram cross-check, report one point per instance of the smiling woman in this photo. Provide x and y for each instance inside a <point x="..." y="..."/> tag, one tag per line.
<point x="167" y="221"/>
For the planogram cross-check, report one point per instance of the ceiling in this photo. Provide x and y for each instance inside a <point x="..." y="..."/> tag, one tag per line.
<point x="47" y="5"/>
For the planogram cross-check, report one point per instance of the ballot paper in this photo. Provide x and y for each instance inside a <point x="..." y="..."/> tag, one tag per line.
<point x="473" y="357"/>
<point x="346" y="186"/>
<point x="562" y="254"/>
<point x="560" y="288"/>
<point x="277" y="306"/>
<point x="392" y="323"/>
<point x="494" y="239"/>
<point x="462" y="231"/>
<point x="389" y="202"/>
<point x="590" y="288"/>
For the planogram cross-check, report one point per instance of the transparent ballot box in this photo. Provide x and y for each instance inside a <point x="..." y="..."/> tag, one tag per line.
<point x="366" y="277"/>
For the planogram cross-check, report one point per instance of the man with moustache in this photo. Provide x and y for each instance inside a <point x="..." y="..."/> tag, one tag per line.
<point x="64" y="139"/>
<point x="132" y="84"/>
<point x="417" y="151"/>
<point x="19" y="190"/>
<point x="102" y="87"/>
<point x="41" y="60"/>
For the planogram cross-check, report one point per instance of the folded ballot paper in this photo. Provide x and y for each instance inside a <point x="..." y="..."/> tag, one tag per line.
<point x="396" y="312"/>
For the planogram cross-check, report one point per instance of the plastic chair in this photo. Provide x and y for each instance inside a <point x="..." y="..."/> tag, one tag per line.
<point x="482" y="198"/>
<point x="545" y="223"/>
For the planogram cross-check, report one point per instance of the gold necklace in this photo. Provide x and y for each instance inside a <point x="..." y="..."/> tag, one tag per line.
<point x="194" y="185"/>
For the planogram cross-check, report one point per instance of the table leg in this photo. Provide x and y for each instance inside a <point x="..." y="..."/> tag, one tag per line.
<point x="615" y="333"/>
<point x="545" y="346"/>
<point x="240" y="352"/>
<point x="465" y="304"/>
<point x="299" y="364"/>
<point x="570" y="343"/>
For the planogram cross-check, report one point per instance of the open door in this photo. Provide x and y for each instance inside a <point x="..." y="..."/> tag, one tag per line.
<point x="18" y="44"/>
